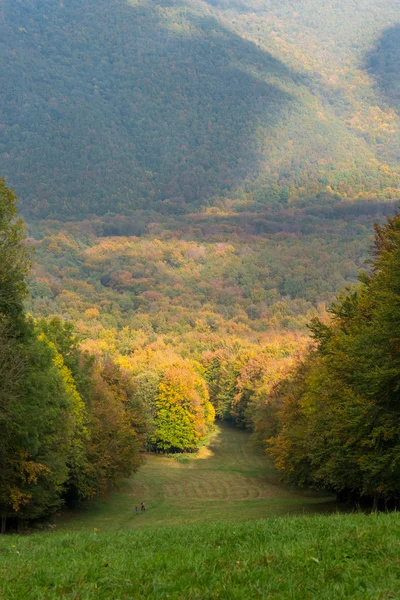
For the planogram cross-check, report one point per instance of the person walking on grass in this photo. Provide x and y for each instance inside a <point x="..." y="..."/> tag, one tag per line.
<point x="142" y="507"/>
<point x="137" y="510"/>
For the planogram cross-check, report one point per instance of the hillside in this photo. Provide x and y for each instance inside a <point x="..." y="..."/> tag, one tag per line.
<point x="335" y="558"/>
<point x="118" y="106"/>
<point x="248" y="275"/>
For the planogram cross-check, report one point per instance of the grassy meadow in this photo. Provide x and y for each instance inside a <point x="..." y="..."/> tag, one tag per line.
<point x="287" y="558"/>
<point x="228" y="480"/>
<point x="206" y="535"/>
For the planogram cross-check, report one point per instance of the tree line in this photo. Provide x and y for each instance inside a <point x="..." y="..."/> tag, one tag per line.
<point x="75" y="416"/>
<point x="72" y="425"/>
<point x="334" y="423"/>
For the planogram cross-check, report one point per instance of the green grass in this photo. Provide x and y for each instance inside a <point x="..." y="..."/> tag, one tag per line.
<point x="179" y="550"/>
<point x="229" y="480"/>
<point x="323" y="557"/>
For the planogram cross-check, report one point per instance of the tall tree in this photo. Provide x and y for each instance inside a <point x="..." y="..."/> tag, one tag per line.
<point x="14" y="264"/>
<point x="15" y="257"/>
<point x="339" y="414"/>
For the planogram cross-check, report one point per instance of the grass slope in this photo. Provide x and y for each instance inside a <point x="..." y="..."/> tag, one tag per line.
<point x="174" y="550"/>
<point x="335" y="557"/>
<point x="228" y="481"/>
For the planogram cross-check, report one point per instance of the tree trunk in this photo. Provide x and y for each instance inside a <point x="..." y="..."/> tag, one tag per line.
<point x="3" y="523"/>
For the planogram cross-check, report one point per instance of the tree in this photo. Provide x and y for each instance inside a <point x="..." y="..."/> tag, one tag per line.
<point x="339" y="413"/>
<point x="43" y="432"/>
<point x="108" y="441"/>
<point x="114" y="446"/>
<point x="14" y="264"/>
<point x="184" y="413"/>
<point x="15" y="258"/>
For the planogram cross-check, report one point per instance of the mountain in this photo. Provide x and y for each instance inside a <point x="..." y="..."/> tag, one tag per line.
<point x="110" y="106"/>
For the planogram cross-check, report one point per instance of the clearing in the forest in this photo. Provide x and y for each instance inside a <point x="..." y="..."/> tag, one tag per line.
<point x="228" y="480"/>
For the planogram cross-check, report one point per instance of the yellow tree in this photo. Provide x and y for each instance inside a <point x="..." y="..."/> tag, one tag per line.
<point x="184" y="413"/>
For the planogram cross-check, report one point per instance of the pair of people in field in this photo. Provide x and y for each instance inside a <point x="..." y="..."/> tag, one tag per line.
<point x="142" y="508"/>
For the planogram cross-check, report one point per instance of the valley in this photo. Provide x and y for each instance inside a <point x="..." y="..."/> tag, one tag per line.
<point x="199" y="299"/>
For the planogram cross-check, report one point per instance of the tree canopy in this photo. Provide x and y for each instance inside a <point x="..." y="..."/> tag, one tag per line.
<point x="338" y="423"/>
<point x="126" y="105"/>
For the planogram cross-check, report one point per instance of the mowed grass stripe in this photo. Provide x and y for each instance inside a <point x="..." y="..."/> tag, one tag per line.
<point x="230" y="480"/>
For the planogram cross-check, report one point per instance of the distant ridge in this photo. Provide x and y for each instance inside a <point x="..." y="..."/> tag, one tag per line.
<point x="117" y="106"/>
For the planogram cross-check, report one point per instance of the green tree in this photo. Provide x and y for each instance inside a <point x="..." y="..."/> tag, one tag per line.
<point x="15" y="257"/>
<point x="42" y="433"/>
<point x="339" y="413"/>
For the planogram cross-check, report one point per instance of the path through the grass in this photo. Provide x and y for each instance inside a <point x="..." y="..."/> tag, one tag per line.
<point x="229" y="480"/>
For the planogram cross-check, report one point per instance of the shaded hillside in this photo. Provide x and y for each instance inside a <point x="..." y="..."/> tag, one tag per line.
<point x="117" y="106"/>
<point x="384" y="64"/>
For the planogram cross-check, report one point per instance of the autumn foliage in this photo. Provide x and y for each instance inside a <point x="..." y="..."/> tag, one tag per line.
<point x="184" y="412"/>
<point x="338" y="416"/>
<point x="67" y="431"/>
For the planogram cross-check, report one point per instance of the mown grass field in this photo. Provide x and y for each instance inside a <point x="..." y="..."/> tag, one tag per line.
<point x="333" y="557"/>
<point x="229" y="480"/>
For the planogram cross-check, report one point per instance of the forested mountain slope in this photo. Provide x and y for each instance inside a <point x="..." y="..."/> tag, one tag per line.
<point x="117" y="106"/>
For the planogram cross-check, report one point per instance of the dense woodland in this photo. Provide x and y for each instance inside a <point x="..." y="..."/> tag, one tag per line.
<point x="337" y="415"/>
<point x="69" y="428"/>
<point x="77" y="412"/>
<point x="72" y="426"/>
<point x="115" y="106"/>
